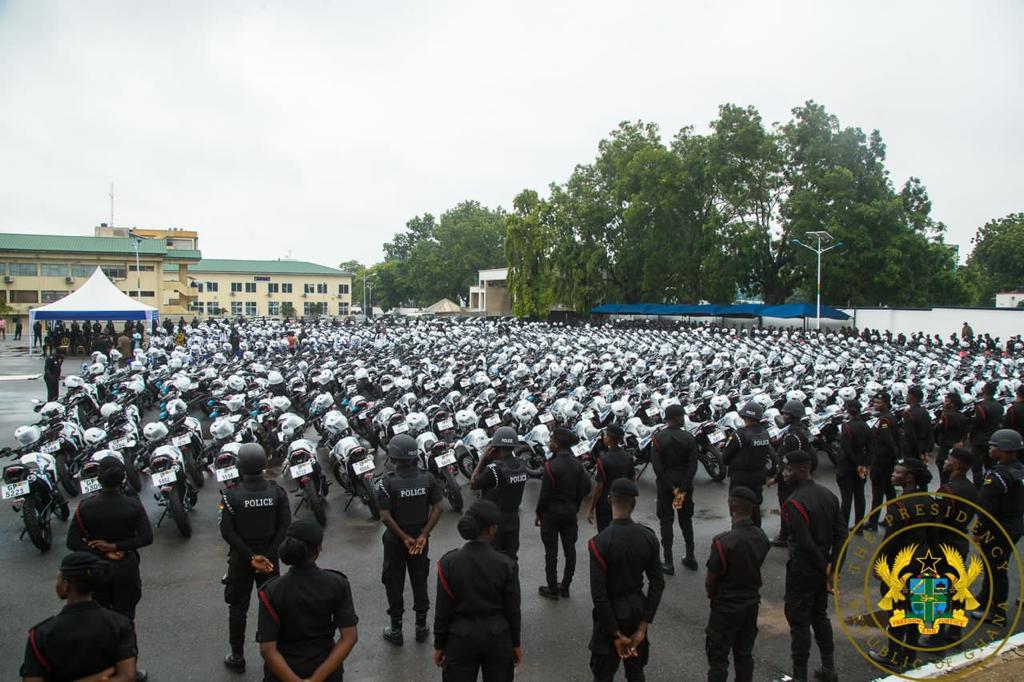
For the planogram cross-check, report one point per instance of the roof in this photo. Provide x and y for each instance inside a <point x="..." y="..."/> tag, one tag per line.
<point x="97" y="299"/>
<point x="264" y="267"/>
<point x="62" y="243"/>
<point x="443" y="307"/>
<point x="745" y="310"/>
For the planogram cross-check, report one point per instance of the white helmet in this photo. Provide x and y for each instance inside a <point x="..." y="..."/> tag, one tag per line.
<point x="620" y="408"/>
<point x="26" y="435"/>
<point x="275" y="378"/>
<point x="183" y="384"/>
<point x="346" y="447"/>
<point x="74" y="382"/>
<point x="322" y="402"/>
<point x="417" y="422"/>
<point x="176" y="406"/>
<point x="847" y="393"/>
<point x="231" y="447"/>
<point x="335" y="422"/>
<point x="720" y="403"/>
<point x="115" y="355"/>
<point x="302" y="445"/>
<point x="361" y="374"/>
<point x="291" y="423"/>
<point x="425" y="441"/>
<point x="52" y="410"/>
<point x="94" y="436"/>
<point x="108" y="410"/>
<point x="281" y="403"/>
<point x="236" y="383"/>
<point x="221" y="428"/>
<point x="154" y="431"/>
<point x="101" y="455"/>
<point x="466" y="419"/>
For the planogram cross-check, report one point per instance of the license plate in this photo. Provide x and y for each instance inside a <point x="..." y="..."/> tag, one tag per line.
<point x="51" y="447"/>
<point x="400" y="428"/>
<point x="652" y="411"/>
<point x="234" y="418"/>
<point x="495" y="383"/>
<point x="122" y="443"/>
<point x="445" y="424"/>
<point x="545" y="418"/>
<point x="13" y="490"/>
<point x="580" y="449"/>
<point x="502" y="406"/>
<point x="429" y="386"/>
<point x="181" y="440"/>
<point x="253" y="393"/>
<point x="716" y="437"/>
<point x="165" y="477"/>
<point x="773" y="432"/>
<point x="492" y="420"/>
<point x="363" y="465"/>
<point x="464" y="383"/>
<point x="226" y="474"/>
<point x="300" y="470"/>
<point x="447" y="459"/>
<point x="89" y="485"/>
<point x="588" y="414"/>
<point x="690" y="409"/>
<point x="238" y="438"/>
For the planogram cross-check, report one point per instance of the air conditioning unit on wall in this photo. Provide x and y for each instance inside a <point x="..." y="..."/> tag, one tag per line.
<point x="8" y="280"/>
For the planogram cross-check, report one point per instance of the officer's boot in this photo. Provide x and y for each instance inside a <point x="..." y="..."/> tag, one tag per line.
<point x="827" y="672"/>
<point x="393" y="633"/>
<point x="799" y="672"/>
<point x="668" y="568"/>
<point x="688" y="560"/>
<point x="422" y="629"/>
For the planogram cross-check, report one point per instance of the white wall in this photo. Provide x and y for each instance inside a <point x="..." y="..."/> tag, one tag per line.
<point x="1001" y="322"/>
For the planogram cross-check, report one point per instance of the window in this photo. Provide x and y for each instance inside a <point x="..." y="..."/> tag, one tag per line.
<point x="197" y="307"/>
<point x="308" y="288"/>
<point x="142" y="268"/>
<point x="286" y="287"/>
<point x="51" y="296"/>
<point x="236" y="287"/>
<point x="24" y="270"/>
<point x="236" y="308"/>
<point x="115" y="271"/>
<point x="274" y="308"/>
<point x="250" y="287"/>
<point x="343" y="308"/>
<point x="211" y="287"/>
<point x="250" y="308"/>
<point x="24" y="296"/>
<point x="272" y="288"/>
<point x="213" y="308"/>
<point x="141" y="294"/>
<point x="54" y="270"/>
<point x="342" y="288"/>
<point x="321" y="288"/>
<point x="199" y="287"/>
<point x="82" y="269"/>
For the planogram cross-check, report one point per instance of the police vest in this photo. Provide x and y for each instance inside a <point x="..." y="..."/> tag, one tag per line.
<point x="255" y="513"/>
<point x="410" y="498"/>
<point x="1007" y="480"/>
<point x="754" y="453"/>
<point x="512" y="476"/>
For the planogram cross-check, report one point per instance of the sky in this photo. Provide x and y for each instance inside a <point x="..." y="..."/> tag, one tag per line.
<point x="316" y="129"/>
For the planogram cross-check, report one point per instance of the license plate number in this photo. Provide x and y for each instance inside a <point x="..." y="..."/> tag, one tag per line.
<point x="428" y="386"/>
<point x="303" y="469"/>
<point x="492" y="421"/>
<point x="89" y="485"/>
<point x="400" y="428"/>
<point x="773" y="432"/>
<point x="495" y="383"/>
<point x="464" y="383"/>
<point x="253" y="393"/>
<point x="545" y="418"/>
<point x="445" y="424"/>
<point x="12" y="490"/>
<point x="502" y="406"/>
<point x="363" y="465"/>
<point x="165" y="477"/>
<point x="447" y="459"/>
<point x="184" y="439"/>
<point x="234" y="418"/>
<point x="226" y="474"/>
<point x="122" y="443"/>
<point x="716" y="437"/>
<point x="652" y="411"/>
<point x="580" y="449"/>
<point x="51" y="447"/>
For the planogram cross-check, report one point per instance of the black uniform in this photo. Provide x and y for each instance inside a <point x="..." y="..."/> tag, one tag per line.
<point x="736" y="557"/>
<point x="817" y="533"/>
<point x="797" y="437"/>
<point x="1014" y="417"/>
<point x="612" y="464"/>
<point x="300" y="611"/>
<point x="563" y="486"/>
<point x="988" y="414"/>
<point x="950" y="429"/>
<point x="918" y="438"/>
<point x="408" y="494"/>
<point x="884" y="453"/>
<point x="902" y="530"/>
<point x="477" y="618"/>
<point x="253" y="520"/>
<point x="674" y="459"/>
<point x="620" y="556"/>
<point x="503" y="482"/>
<point x="82" y="640"/>
<point x="51" y="376"/>
<point x="854" y="436"/>
<point x="748" y="454"/>
<point x="1002" y="496"/>
<point x="122" y="521"/>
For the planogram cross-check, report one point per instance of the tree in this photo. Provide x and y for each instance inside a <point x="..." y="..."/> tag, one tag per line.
<point x="417" y="229"/>
<point x="287" y="310"/>
<point x="358" y="270"/>
<point x="997" y="261"/>
<point x="528" y="253"/>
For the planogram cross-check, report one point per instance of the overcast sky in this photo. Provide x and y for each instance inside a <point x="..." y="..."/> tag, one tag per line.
<point x="319" y="128"/>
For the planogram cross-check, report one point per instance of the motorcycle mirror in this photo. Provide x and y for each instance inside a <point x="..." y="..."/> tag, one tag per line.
<point x="211" y="402"/>
<point x="163" y="415"/>
<point x="213" y="415"/>
<point x="255" y="413"/>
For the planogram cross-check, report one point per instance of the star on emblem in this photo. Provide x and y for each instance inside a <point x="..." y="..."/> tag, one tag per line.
<point x="929" y="563"/>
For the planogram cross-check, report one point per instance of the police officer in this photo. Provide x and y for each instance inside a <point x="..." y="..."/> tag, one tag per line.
<point x="748" y="453"/>
<point x="674" y="460"/>
<point x="612" y="464"/>
<point x="950" y="430"/>
<point x="301" y="610"/>
<point x="797" y="437"/>
<point x="253" y="520"/>
<point x="477" y="619"/>
<point x="853" y="463"/>
<point x="620" y="556"/>
<point x="1002" y="496"/>
<point x="501" y="478"/>
<point x="733" y="584"/>
<point x="114" y="527"/>
<point x="51" y="373"/>
<point x="817" y="533"/>
<point x="410" y="505"/>
<point x="563" y="485"/>
<point x="85" y="640"/>
<point x="918" y="438"/>
<point x="1014" y="417"/>
<point x="988" y="414"/>
<point x="884" y="453"/>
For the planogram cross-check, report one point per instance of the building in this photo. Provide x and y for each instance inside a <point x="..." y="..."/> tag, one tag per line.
<point x="268" y="288"/>
<point x="490" y="295"/>
<point x="173" y="238"/>
<point x="40" y="269"/>
<point x="1011" y="299"/>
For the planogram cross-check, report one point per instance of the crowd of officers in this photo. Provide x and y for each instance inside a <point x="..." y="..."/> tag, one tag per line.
<point x="307" y="622"/>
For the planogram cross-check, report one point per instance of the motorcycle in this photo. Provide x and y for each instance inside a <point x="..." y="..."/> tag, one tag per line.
<point x="439" y="461"/>
<point x="175" y="492"/>
<point x="304" y="468"/>
<point x="31" y="485"/>
<point x="353" y="467"/>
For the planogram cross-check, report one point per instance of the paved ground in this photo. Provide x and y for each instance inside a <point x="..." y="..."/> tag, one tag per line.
<point x="182" y="619"/>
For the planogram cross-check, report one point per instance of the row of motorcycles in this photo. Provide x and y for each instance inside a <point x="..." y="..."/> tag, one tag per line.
<point x="348" y="389"/>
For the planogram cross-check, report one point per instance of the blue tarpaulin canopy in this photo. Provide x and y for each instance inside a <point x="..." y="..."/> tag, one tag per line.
<point x="788" y="311"/>
<point x="791" y="310"/>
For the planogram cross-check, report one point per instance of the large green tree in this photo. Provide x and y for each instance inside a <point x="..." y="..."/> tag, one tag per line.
<point x="997" y="262"/>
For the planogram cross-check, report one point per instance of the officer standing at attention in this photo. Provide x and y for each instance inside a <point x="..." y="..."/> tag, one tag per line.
<point x="51" y="374"/>
<point x="477" y="618"/>
<point x="918" y="439"/>
<point x="410" y="505"/>
<point x="501" y="478"/>
<point x="852" y="467"/>
<point x="885" y="450"/>
<point x="950" y="430"/>
<point x="817" y="533"/>
<point x="987" y="416"/>
<point x="114" y="527"/>
<point x="748" y="454"/>
<point x="620" y="556"/>
<point x="1002" y="496"/>
<point x="797" y="437"/>
<point x="301" y="610"/>
<point x="674" y="460"/>
<point x="253" y="520"/>
<point x="733" y="585"/>
<point x="85" y="640"/>
<point x="612" y="464"/>
<point x="1014" y="417"/>
<point x="563" y="485"/>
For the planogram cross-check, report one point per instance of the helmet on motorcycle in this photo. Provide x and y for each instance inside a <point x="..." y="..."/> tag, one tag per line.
<point x="137" y="366"/>
<point x="720" y="403"/>
<point x="154" y="431"/>
<point x="323" y="402"/>
<point x="466" y="419"/>
<point x="74" y="382"/>
<point x="362" y="374"/>
<point x="252" y="460"/>
<point x="115" y="355"/>
<point x="176" y="407"/>
<point x="221" y="428"/>
<point x="795" y="409"/>
<point x="52" y="410"/>
<point x="275" y="378"/>
<point x="108" y="410"/>
<point x="402" y="447"/>
<point x="847" y="393"/>
<point x="236" y="383"/>
<point x="335" y="422"/>
<point x="27" y="435"/>
<point x="183" y="384"/>
<point x="417" y="422"/>
<point x="231" y="447"/>
<point x="281" y="403"/>
<point x="95" y="436"/>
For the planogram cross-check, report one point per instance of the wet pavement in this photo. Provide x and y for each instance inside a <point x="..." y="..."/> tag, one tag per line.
<point x="182" y="618"/>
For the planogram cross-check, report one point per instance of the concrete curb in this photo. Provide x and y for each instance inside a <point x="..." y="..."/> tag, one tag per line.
<point x="956" y="661"/>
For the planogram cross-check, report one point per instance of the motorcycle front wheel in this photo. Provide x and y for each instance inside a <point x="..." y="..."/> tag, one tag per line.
<point x="314" y="502"/>
<point x="132" y="475"/>
<point x="466" y="462"/>
<point x="452" y="490"/>
<point x="711" y="458"/>
<point x="368" y="498"/>
<point x="64" y="477"/>
<point x="195" y="474"/>
<point x="178" y="514"/>
<point x="38" y="528"/>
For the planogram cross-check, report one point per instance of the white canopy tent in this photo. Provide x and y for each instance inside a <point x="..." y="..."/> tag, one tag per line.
<point x="97" y="299"/>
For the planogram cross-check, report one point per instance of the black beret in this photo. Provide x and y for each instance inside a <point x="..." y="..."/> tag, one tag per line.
<point x="744" y="493"/>
<point x="308" y="531"/>
<point x="962" y="454"/>
<point x="110" y="463"/>
<point x="674" y="410"/>
<point x="564" y="437"/>
<point x="79" y="563"/>
<point x="486" y="512"/>
<point x="623" y="487"/>
<point x="796" y="457"/>
<point x="615" y="430"/>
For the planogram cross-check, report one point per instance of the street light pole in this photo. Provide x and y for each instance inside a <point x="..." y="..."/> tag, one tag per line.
<point x="138" y="273"/>
<point x="823" y="238"/>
